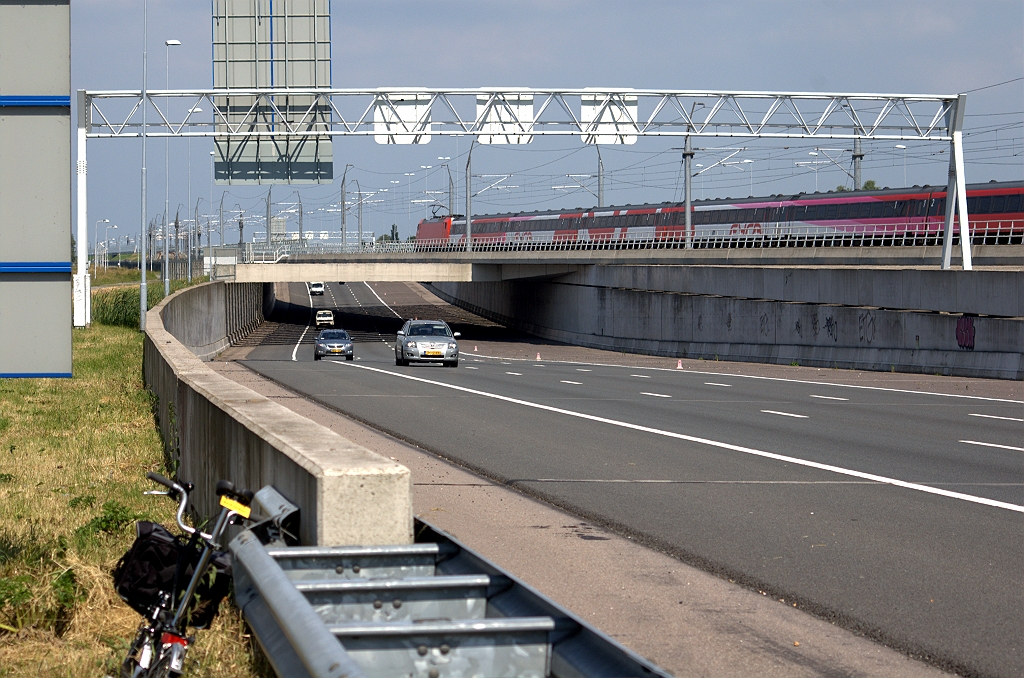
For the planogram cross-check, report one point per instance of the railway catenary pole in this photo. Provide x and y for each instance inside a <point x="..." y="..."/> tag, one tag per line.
<point x="469" y="198"/>
<point x="858" y="155"/>
<point x="688" y="190"/>
<point x="221" y="222"/>
<point x="344" y="208"/>
<point x="269" y="198"/>
<point x="600" y="177"/>
<point x="359" y="217"/>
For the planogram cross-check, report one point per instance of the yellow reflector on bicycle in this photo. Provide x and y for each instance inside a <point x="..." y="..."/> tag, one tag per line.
<point x="232" y="505"/>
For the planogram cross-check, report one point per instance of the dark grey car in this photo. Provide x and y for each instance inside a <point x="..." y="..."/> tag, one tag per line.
<point x="333" y="343"/>
<point x="426" y="341"/>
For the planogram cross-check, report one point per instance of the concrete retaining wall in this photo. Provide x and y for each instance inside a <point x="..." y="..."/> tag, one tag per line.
<point x="710" y="327"/>
<point x="214" y="428"/>
<point x="979" y="292"/>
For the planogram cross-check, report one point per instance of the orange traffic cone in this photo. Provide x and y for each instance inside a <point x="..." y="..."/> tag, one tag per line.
<point x="679" y="365"/>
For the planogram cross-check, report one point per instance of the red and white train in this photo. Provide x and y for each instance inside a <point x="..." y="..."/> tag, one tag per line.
<point x="889" y="216"/>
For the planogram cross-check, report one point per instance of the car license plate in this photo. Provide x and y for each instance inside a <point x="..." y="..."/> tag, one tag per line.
<point x="432" y="353"/>
<point x="335" y="350"/>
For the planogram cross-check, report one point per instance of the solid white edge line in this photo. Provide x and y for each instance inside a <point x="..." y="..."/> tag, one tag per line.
<point x="992" y="416"/>
<point x="1002" y="447"/>
<point x="752" y="376"/>
<point x="303" y="335"/>
<point x="786" y="414"/>
<point x="381" y="300"/>
<point x="705" y="441"/>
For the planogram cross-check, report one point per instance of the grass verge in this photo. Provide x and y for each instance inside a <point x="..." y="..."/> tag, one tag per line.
<point x="73" y="458"/>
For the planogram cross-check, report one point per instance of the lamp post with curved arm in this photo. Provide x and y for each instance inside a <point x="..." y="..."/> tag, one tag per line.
<point x="106" y="243"/>
<point x="95" y="245"/>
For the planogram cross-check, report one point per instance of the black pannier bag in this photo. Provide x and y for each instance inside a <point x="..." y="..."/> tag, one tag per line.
<point x="149" y="566"/>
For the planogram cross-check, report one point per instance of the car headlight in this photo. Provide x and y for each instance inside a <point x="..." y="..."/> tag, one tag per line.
<point x="348" y="346"/>
<point x="453" y="347"/>
<point x="410" y="344"/>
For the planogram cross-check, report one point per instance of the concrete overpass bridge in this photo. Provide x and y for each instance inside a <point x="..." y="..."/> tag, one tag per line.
<point x="494" y="266"/>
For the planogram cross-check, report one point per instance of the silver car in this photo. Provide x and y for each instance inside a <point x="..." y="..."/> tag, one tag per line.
<point x="333" y="343"/>
<point x="426" y="341"/>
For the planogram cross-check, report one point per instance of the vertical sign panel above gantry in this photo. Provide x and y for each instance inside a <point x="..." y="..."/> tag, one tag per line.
<point x="272" y="44"/>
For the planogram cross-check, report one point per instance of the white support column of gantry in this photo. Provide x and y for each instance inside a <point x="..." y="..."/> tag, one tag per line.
<point x="519" y="115"/>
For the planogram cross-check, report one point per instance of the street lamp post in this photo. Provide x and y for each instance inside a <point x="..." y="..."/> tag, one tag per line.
<point x="106" y="243"/>
<point x="167" y="171"/>
<point x="469" y="197"/>
<point x="143" y="290"/>
<point x="904" y="149"/>
<point x="95" y="249"/>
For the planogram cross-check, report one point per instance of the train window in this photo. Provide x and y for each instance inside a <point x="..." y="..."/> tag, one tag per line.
<point x="998" y="204"/>
<point x="901" y="208"/>
<point x="981" y="205"/>
<point x="1013" y="203"/>
<point x="889" y="209"/>
<point x="832" y="212"/>
<point x="876" y="210"/>
<point x="844" y="211"/>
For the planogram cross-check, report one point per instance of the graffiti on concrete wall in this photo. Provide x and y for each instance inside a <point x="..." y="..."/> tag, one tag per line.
<point x="832" y="327"/>
<point x="866" y="323"/>
<point x="765" y="324"/>
<point x="965" y="333"/>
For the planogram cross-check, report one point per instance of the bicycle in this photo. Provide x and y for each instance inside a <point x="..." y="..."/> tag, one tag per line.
<point x="149" y="577"/>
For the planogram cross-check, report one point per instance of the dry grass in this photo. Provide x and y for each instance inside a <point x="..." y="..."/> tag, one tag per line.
<point x="73" y="459"/>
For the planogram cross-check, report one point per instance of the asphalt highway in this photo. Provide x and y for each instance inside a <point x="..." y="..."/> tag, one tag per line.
<point x="896" y="514"/>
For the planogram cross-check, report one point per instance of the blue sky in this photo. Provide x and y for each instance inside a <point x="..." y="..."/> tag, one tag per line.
<point x="911" y="46"/>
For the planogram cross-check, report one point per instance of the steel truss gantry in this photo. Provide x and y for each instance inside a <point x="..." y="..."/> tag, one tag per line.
<point x="517" y="115"/>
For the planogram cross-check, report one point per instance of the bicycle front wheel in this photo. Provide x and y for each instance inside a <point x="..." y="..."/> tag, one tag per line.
<point x="162" y="669"/>
<point x="130" y="666"/>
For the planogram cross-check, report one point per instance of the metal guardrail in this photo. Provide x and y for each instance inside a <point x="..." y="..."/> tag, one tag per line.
<point x="433" y="609"/>
<point x="735" y="237"/>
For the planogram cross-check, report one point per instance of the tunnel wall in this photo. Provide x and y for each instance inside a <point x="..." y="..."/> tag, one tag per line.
<point x="617" y="310"/>
<point x="214" y="428"/>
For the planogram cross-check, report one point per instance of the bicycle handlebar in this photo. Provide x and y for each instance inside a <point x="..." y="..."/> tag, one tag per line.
<point x="179" y="492"/>
<point x="157" y="478"/>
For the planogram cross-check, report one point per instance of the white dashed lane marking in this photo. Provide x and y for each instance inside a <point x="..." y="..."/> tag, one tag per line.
<point x="1002" y="447"/>
<point x="786" y="414"/>
<point x="713" y="383"/>
<point x="577" y="383"/>
<point x="992" y="416"/>
<point x="656" y="395"/>
<point x="828" y="397"/>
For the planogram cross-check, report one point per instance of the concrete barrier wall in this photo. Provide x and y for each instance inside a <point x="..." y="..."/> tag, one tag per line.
<point x="214" y="428"/>
<point x="710" y="327"/>
<point x="979" y="292"/>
